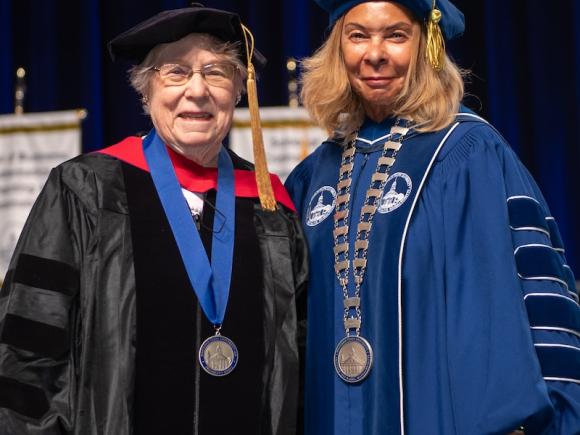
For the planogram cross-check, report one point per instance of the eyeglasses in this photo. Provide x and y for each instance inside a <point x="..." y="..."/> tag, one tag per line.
<point x="214" y="74"/>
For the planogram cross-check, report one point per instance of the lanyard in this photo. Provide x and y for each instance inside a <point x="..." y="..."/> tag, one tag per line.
<point x="210" y="281"/>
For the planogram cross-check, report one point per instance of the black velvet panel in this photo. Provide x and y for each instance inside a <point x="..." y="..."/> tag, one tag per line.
<point x="46" y="274"/>
<point x="234" y="405"/>
<point x="164" y="384"/>
<point x="172" y="394"/>
<point x="4" y="291"/>
<point x="23" y="398"/>
<point x="40" y="338"/>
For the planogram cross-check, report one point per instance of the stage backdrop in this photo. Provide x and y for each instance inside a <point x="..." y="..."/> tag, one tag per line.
<point x="526" y="80"/>
<point x="289" y="136"/>
<point x="30" y="146"/>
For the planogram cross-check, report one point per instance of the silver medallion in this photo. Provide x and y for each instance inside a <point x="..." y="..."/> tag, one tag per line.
<point x="353" y="359"/>
<point x="218" y="355"/>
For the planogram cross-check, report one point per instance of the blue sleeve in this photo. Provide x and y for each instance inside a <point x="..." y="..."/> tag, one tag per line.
<point x="297" y="184"/>
<point x="513" y="314"/>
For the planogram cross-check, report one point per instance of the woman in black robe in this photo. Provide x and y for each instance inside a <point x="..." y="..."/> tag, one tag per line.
<point x="112" y="320"/>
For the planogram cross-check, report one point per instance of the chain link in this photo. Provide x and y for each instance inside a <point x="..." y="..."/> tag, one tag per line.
<point x="379" y="179"/>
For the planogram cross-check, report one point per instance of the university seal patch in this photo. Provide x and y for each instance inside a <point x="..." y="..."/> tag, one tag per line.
<point x="396" y="192"/>
<point x="321" y="205"/>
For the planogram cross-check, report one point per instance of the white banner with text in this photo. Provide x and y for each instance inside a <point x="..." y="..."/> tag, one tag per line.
<point x="289" y="136"/>
<point x="30" y="146"/>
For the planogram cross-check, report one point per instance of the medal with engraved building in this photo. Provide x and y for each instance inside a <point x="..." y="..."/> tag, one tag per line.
<point x="218" y="355"/>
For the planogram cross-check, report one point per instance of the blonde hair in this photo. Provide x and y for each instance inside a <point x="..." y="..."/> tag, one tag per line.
<point x="140" y="75"/>
<point x="430" y="98"/>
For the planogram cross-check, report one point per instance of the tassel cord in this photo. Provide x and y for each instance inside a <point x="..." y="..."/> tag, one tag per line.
<point x="435" y="52"/>
<point x="265" y="190"/>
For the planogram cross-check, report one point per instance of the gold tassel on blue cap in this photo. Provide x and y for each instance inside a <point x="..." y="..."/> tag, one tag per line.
<point x="435" y="43"/>
<point x="265" y="191"/>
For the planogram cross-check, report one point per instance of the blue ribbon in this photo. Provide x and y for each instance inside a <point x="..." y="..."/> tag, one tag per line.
<point x="211" y="282"/>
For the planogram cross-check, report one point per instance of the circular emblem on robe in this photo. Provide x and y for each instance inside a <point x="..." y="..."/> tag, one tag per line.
<point x="397" y="190"/>
<point x="321" y="205"/>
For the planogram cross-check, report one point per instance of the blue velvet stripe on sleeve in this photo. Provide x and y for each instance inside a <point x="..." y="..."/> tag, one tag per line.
<point x="536" y="261"/>
<point x="569" y="276"/>
<point x="525" y="213"/>
<point x="549" y="311"/>
<point x="555" y="236"/>
<point x="559" y="362"/>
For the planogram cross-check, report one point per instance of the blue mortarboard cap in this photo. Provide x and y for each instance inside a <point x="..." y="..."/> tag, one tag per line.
<point x="452" y="20"/>
<point x="172" y="25"/>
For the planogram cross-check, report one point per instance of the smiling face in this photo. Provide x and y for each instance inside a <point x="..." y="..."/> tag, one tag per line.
<point x="192" y="118"/>
<point x="379" y="40"/>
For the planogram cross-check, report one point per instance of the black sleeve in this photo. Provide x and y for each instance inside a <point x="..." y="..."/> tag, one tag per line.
<point x="38" y="311"/>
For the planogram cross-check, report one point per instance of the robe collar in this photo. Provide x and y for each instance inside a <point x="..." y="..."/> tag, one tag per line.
<point x="194" y="177"/>
<point x="371" y="132"/>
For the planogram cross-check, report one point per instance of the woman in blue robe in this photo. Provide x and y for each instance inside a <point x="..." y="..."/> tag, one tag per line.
<point x="439" y="300"/>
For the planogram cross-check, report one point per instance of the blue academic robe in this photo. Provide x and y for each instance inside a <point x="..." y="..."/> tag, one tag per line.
<point x="468" y="303"/>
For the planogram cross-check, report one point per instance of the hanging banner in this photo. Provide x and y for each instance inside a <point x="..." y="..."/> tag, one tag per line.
<point x="289" y="136"/>
<point x="30" y="146"/>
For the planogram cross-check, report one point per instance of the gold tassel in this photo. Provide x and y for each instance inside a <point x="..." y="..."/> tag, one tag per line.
<point x="265" y="191"/>
<point x="435" y="42"/>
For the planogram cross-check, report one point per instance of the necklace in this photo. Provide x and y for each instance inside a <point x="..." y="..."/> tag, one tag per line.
<point x="353" y="357"/>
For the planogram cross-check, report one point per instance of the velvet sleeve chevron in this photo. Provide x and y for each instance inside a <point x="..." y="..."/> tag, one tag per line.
<point x="550" y="295"/>
<point x="38" y="314"/>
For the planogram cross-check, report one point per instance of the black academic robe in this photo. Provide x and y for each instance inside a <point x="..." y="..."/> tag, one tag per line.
<point x="100" y="327"/>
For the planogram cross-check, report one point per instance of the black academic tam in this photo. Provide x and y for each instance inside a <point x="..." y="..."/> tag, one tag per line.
<point x="168" y="26"/>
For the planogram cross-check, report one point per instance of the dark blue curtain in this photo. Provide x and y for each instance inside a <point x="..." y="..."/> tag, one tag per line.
<point x="533" y="97"/>
<point x="7" y="63"/>
<point x="524" y="56"/>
